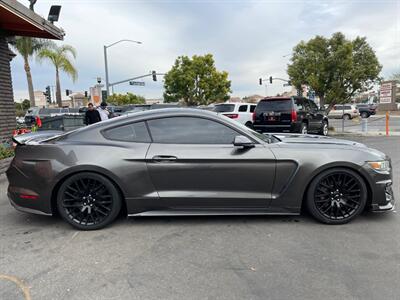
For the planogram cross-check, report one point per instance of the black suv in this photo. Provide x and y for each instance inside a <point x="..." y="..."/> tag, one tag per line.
<point x="366" y="110"/>
<point x="292" y="114"/>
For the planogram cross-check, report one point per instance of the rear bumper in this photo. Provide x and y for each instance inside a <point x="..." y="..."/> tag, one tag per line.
<point x="26" y="209"/>
<point x="293" y="127"/>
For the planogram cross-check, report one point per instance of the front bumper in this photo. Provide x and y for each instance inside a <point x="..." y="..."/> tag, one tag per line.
<point x="385" y="201"/>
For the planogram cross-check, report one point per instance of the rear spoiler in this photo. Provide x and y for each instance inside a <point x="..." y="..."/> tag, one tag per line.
<point x="36" y="137"/>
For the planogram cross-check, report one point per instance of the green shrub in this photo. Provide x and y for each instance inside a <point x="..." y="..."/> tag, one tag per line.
<point x="6" y="152"/>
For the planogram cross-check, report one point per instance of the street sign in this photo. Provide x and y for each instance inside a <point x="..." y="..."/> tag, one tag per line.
<point x="138" y="83"/>
<point x="386" y="92"/>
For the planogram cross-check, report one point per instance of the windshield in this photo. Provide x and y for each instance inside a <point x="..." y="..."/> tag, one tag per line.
<point x="224" y="108"/>
<point x="265" y="137"/>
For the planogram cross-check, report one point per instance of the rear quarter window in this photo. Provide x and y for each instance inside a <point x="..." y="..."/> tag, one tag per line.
<point x="224" y="108"/>
<point x="135" y="132"/>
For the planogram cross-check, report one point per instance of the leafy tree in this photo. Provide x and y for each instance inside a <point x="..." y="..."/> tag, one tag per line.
<point x="335" y="68"/>
<point x="28" y="47"/>
<point x="196" y="81"/>
<point x="128" y="98"/>
<point x="59" y="57"/>
<point x="25" y="104"/>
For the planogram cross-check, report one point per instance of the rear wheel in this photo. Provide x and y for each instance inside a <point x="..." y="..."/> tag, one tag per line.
<point x="303" y="128"/>
<point x="249" y="124"/>
<point x="88" y="201"/>
<point x="336" y="196"/>
<point x="346" y="117"/>
<point x="364" y="115"/>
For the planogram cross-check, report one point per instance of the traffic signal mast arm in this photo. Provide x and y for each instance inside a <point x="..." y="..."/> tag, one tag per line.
<point x="261" y="80"/>
<point x="138" y="77"/>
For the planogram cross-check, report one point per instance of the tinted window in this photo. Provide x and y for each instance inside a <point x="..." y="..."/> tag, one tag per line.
<point x="274" y="105"/>
<point x="338" y="107"/>
<point x="136" y="132"/>
<point x="243" y="108"/>
<point x="252" y="108"/>
<point x="300" y="104"/>
<point x="347" y="107"/>
<point x="224" y="108"/>
<point x="313" y="105"/>
<point x="190" y="130"/>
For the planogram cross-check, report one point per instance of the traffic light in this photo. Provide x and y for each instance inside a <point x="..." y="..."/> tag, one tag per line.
<point x="260" y="81"/>
<point x="289" y="82"/>
<point x="86" y="94"/>
<point x="48" y="94"/>
<point x="67" y="92"/>
<point x="270" y="79"/>
<point x="154" y="74"/>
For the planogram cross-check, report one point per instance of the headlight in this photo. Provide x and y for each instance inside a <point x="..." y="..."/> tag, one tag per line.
<point x="380" y="166"/>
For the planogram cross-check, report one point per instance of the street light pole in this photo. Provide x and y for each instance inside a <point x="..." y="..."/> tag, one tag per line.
<point x="106" y="67"/>
<point x="106" y="62"/>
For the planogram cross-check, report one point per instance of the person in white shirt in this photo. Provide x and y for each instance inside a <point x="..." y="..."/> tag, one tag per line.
<point x="104" y="113"/>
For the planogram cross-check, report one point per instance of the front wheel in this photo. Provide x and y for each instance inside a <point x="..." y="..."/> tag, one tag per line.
<point x="346" y="117"/>
<point x="364" y="115"/>
<point x="324" y="128"/>
<point x="336" y="196"/>
<point x="88" y="201"/>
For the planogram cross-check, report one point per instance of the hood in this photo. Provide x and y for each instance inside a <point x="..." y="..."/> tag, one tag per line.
<point x="327" y="142"/>
<point x="292" y="138"/>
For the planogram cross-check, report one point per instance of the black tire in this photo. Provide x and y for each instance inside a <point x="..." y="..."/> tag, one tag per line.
<point x="324" y="128"/>
<point x="364" y="115"/>
<point x="346" y="117"/>
<point x="303" y="128"/>
<point x="336" y="196"/>
<point x="249" y="125"/>
<point x="88" y="201"/>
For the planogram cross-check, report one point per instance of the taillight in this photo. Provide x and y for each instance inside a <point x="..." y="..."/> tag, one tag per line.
<point x="254" y="116"/>
<point x="232" y="116"/>
<point x="30" y="197"/>
<point x="294" y="115"/>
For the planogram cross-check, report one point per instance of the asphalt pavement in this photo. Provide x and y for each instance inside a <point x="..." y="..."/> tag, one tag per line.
<point x="374" y="124"/>
<point x="265" y="257"/>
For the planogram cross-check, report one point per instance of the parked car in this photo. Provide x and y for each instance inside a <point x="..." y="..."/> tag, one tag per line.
<point x="344" y="111"/>
<point x="241" y="112"/>
<point x="366" y="110"/>
<point x="33" y="112"/>
<point x="290" y="114"/>
<point x="194" y="162"/>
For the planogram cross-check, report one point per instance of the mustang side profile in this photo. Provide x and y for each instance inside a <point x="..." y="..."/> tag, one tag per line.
<point x="194" y="162"/>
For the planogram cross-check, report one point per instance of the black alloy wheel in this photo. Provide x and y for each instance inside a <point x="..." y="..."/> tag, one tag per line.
<point x="336" y="196"/>
<point x="88" y="201"/>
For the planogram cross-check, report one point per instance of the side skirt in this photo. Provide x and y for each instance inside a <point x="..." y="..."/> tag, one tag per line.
<point x="210" y="212"/>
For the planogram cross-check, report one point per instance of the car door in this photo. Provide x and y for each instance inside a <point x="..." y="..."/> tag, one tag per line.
<point x="242" y="112"/>
<point x="315" y="119"/>
<point x="193" y="163"/>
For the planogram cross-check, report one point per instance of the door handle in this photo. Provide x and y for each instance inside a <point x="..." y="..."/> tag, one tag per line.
<point x="164" y="158"/>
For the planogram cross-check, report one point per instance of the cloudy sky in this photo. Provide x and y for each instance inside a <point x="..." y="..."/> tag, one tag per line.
<point x="248" y="39"/>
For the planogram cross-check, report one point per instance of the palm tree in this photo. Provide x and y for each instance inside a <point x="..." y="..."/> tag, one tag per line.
<point x="28" y="47"/>
<point x="59" y="56"/>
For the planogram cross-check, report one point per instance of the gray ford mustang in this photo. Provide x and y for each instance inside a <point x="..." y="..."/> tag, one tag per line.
<point x="193" y="162"/>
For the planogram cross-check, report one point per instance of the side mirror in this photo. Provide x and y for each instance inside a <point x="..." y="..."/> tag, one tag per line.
<point x="243" y="142"/>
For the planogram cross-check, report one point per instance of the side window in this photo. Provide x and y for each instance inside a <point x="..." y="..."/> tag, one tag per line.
<point x="298" y="104"/>
<point x="136" y="132"/>
<point x="242" y="108"/>
<point x="314" y="106"/>
<point x="252" y="108"/>
<point x="347" y="107"/>
<point x="190" y="130"/>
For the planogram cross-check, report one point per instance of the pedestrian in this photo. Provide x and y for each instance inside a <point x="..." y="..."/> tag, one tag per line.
<point x="92" y="116"/>
<point x="104" y="113"/>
